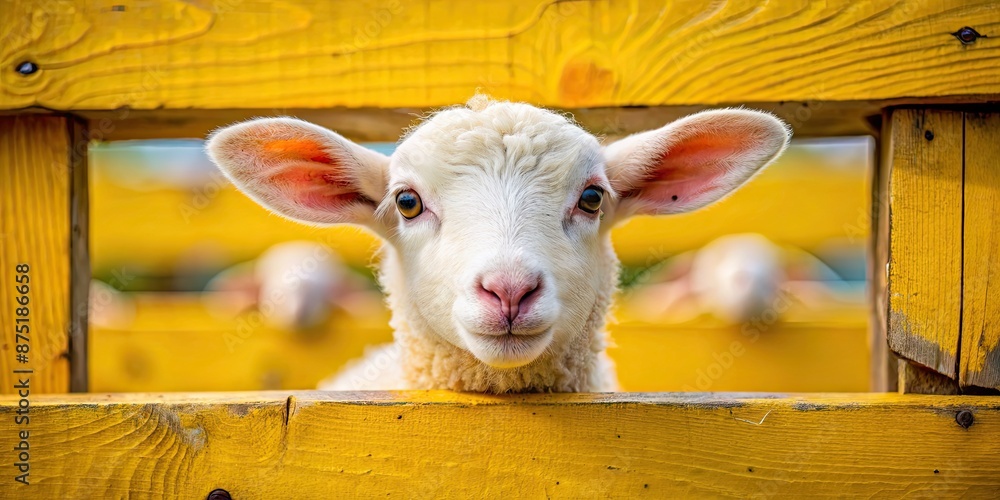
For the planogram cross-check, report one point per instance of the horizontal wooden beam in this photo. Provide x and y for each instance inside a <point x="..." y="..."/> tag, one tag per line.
<point x="442" y="444"/>
<point x="807" y="119"/>
<point x="71" y="55"/>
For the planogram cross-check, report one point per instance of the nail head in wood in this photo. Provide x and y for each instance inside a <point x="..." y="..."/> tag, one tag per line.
<point x="967" y="35"/>
<point x="27" y="68"/>
<point x="964" y="418"/>
<point x="219" y="494"/>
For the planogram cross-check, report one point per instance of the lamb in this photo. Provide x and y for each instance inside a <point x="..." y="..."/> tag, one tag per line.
<point x="495" y="218"/>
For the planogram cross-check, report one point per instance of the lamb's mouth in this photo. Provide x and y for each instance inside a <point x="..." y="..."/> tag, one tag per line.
<point x="533" y="331"/>
<point x="510" y="350"/>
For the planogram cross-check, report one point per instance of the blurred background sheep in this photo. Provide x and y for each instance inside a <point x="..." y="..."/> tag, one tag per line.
<point x="738" y="278"/>
<point x="295" y="285"/>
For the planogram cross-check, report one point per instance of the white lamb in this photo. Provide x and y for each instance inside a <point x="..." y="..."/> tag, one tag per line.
<point x="496" y="217"/>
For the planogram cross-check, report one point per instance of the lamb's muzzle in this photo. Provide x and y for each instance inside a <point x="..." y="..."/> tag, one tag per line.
<point x="495" y="218"/>
<point x="512" y="294"/>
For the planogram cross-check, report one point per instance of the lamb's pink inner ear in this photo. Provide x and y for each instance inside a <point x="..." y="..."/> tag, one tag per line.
<point x="688" y="174"/>
<point x="309" y="176"/>
<point x="301" y="170"/>
<point x="692" y="162"/>
<point x="297" y="149"/>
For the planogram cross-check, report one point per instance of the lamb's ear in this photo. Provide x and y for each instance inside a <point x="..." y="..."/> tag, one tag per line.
<point x="301" y="171"/>
<point x="693" y="161"/>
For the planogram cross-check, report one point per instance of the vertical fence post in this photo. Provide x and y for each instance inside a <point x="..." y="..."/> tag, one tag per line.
<point x="44" y="264"/>
<point x="980" y="346"/>
<point x="943" y="286"/>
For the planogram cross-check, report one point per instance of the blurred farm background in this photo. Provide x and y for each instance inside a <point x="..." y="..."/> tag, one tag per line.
<point x="763" y="291"/>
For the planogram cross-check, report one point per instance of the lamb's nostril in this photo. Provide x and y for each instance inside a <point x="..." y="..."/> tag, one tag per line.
<point x="520" y="299"/>
<point x="492" y="296"/>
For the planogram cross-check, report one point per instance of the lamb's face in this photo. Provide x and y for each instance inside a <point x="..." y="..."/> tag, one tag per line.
<point x="496" y="214"/>
<point x="496" y="218"/>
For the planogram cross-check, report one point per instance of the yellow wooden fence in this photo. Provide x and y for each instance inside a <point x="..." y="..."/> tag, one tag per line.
<point x="918" y="75"/>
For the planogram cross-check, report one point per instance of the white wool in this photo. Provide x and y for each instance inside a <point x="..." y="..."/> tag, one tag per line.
<point x="500" y="184"/>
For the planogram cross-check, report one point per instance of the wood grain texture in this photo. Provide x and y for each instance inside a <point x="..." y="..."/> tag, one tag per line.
<point x="883" y="370"/>
<point x="915" y="379"/>
<point x="447" y="445"/>
<point x="79" y="248"/>
<point x="389" y="53"/>
<point x="925" y="254"/>
<point x="806" y="118"/>
<point x="175" y="344"/>
<point x="980" y="360"/>
<point x="36" y="176"/>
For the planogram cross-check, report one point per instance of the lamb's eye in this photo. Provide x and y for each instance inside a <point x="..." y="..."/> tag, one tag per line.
<point x="590" y="199"/>
<point x="409" y="204"/>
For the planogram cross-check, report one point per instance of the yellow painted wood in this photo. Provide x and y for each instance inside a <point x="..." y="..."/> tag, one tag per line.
<point x="925" y="253"/>
<point x="36" y="176"/>
<point x="980" y="360"/>
<point x="390" y="53"/>
<point x="447" y="445"/>
<point x="174" y="344"/>
<point x="806" y="199"/>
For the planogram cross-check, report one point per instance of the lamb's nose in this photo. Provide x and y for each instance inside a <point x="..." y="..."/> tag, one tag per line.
<point x="513" y="294"/>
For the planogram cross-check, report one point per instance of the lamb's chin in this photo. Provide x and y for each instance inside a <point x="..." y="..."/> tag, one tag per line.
<point x="508" y="350"/>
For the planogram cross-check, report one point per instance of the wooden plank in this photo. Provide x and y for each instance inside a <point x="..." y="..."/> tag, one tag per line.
<point x="174" y="344"/>
<point x="357" y="124"/>
<point x="925" y="248"/>
<point x="37" y="171"/>
<point x="883" y="370"/>
<point x="807" y="119"/>
<point x="448" y="445"/>
<point x="74" y="55"/>
<point x="980" y="360"/>
<point x="79" y="250"/>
